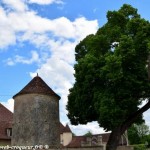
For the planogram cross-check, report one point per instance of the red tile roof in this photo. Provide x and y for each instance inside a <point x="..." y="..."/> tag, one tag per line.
<point x="76" y="141"/>
<point x="37" y="85"/>
<point x="64" y="128"/>
<point x="5" y="114"/>
<point x="105" y="137"/>
<point x="67" y="129"/>
<point x="61" y="128"/>
<point x="6" y="118"/>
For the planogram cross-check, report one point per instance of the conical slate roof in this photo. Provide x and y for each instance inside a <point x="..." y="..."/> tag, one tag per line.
<point x="37" y="85"/>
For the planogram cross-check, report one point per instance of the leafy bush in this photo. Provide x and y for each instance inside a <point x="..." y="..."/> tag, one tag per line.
<point x="139" y="147"/>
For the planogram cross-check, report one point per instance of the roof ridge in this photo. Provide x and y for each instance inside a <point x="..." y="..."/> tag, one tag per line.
<point x="37" y="85"/>
<point x="1" y="105"/>
<point x="67" y="128"/>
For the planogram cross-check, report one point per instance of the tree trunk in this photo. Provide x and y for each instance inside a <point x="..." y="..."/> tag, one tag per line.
<point x="116" y="134"/>
<point x="114" y="139"/>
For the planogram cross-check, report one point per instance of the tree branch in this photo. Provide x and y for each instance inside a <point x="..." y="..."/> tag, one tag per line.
<point x="148" y="67"/>
<point x="131" y="119"/>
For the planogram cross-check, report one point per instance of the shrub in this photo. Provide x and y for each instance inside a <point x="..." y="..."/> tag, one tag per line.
<point x="139" y="147"/>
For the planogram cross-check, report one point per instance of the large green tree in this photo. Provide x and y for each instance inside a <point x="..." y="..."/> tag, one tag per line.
<point x="138" y="133"/>
<point x="133" y="135"/>
<point x="111" y="73"/>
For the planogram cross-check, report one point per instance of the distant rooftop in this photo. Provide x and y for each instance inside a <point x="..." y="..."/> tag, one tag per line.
<point x="64" y="129"/>
<point x="5" y="114"/>
<point x="37" y="85"/>
<point x="6" y="119"/>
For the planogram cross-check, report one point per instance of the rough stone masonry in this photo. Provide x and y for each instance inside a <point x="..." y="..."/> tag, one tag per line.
<point x="36" y="116"/>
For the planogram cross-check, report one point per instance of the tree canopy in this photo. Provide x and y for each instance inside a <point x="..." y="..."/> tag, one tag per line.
<point x="88" y="134"/>
<point x="111" y="72"/>
<point x="139" y="134"/>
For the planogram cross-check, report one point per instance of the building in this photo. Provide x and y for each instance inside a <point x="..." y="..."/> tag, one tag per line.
<point x="32" y="127"/>
<point x="6" y="118"/>
<point x="36" y="115"/>
<point x="66" y="135"/>
<point x="67" y="139"/>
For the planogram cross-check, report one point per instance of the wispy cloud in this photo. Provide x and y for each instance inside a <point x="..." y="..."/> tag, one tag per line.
<point x="21" y="59"/>
<point x="55" y="40"/>
<point x="46" y="2"/>
<point x="16" y="5"/>
<point x="94" y="10"/>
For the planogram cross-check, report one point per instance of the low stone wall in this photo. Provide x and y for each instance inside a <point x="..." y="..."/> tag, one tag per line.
<point x="125" y="148"/>
<point x="84" y="148"/>
<point x="99" y="148"/>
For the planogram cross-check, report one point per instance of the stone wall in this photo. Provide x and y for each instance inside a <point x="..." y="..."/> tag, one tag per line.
<point x="36" y="120"/>
<point x="125" y="148"/>
<point x="86" y="148"/>
<point x="100" y="148"/>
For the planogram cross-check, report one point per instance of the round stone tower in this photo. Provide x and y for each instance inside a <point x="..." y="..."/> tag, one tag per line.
<point x="36" y="116"/>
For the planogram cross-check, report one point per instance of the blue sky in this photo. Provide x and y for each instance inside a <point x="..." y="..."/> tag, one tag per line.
<point x="40" y="36"/>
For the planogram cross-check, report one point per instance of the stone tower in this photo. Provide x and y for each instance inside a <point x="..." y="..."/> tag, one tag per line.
<point x="36" y="115"/>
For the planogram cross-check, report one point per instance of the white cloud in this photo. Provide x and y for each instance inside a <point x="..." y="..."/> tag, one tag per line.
<point x="9" y="62"/>
<point x="16" y="5"/>
<point x="7" y="38"/>
<point x="20" y="59"/>
<point x="146" y="114"/>
<point x="63" y="49"/>
<point x="60" y="27"/>
<point x="147" y="117"/>
<point x="7" y="34"/>
<point x="9" y="104"/>
<point x="85" y="27"/>
<point x="77" y="29"/>
<point x="59" y="36"/>
<point x="93" y="127"/>
<point x="27" y="25"/>
<point x="28" y="21"/>
<point x="59" y="71"/>
<point x="45" y="2"/>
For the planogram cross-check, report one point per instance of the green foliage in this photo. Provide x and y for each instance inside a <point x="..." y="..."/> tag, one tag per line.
<point x="139" y="147"/>
<point x="148" y="140"/>
<point x="142" y="130"/>
<point x="111" y="79"/>
<point x="133" y="135"/>
<point x="89" y="133"/>
<point x="73" y="134"/>
<point x="139" y="134"/>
